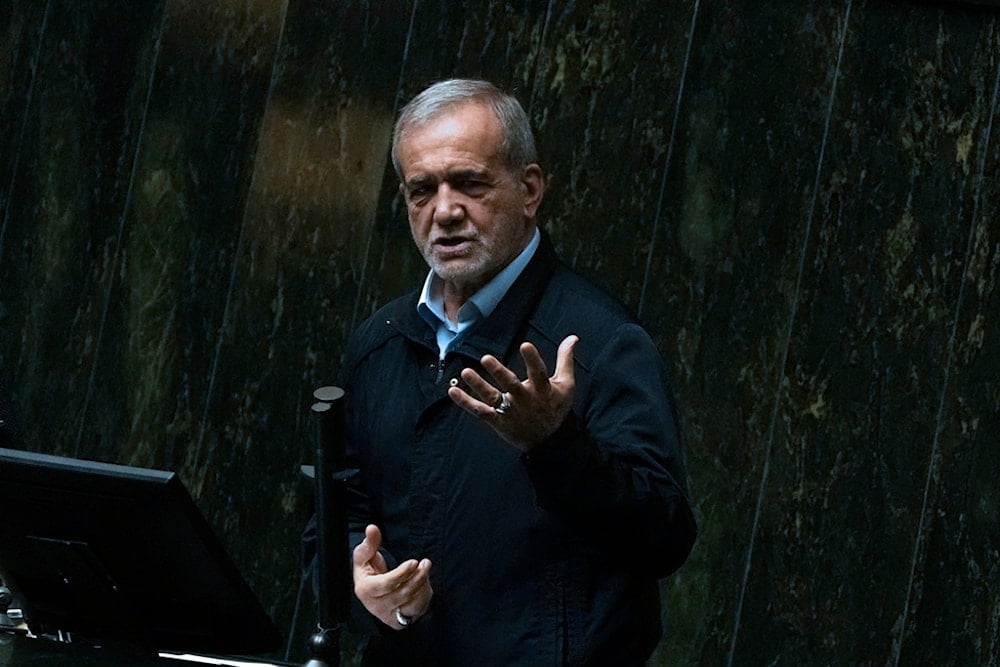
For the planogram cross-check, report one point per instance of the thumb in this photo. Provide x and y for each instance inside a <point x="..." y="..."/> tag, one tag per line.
<point x="369" y="546"/>
<point x="564" y="358"/>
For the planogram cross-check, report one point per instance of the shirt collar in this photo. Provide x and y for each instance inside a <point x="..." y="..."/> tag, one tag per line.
<point x="481" y="304"/>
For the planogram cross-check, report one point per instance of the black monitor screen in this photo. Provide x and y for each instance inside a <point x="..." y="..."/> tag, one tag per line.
<point x="121" y="554"/>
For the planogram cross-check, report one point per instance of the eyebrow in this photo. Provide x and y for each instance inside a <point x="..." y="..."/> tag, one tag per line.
<point x="466" y="174"/>
<point x="417" y="181"/>
<point x="457" y="175"/>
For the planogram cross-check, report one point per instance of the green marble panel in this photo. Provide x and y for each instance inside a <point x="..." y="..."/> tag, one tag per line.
<point x="798" y="200"/>
<point x="69" y="142"/>
<point x="189" y="404"/>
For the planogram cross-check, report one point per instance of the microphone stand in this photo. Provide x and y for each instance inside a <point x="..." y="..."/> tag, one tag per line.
<point x="332" y="564"/>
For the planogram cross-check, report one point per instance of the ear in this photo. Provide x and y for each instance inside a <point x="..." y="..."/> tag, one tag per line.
<point x="533" y="182"/>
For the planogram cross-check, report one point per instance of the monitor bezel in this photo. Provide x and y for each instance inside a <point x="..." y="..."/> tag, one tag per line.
<point x="116" y="554"/>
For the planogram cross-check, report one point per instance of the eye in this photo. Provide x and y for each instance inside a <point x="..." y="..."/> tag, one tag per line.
<point x="472" y="187"/>
<point x="418" y="194"/>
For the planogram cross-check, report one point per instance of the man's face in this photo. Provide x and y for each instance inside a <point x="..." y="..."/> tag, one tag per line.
<point x="469" y="215"/>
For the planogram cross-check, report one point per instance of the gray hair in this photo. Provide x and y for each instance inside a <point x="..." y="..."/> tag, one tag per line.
<point x="517" y="149"/>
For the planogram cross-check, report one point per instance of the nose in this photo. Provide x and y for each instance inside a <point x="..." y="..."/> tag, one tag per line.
<point x="448" y="209"/>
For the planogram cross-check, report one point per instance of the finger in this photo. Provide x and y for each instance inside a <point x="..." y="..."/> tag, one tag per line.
<point x="503" y="377"/>
<point x="537" y="373"/>
<point x="389" y="583"/>
<point x="470" y="404"/>
<point x="368" y="548"/>
<point x="487" y="392"/>
<point x="564" y="359"/>
<point x="413" y="587"/>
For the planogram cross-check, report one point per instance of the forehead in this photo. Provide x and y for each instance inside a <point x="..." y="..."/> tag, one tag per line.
<point x="464" y="136"/>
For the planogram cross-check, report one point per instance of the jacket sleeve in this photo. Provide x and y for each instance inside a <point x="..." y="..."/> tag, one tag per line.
<point x="614" y="468"/>
<point x="360" y="513"/>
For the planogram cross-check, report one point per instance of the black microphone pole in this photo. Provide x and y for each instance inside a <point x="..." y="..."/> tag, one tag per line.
<point x="332" y="563"/>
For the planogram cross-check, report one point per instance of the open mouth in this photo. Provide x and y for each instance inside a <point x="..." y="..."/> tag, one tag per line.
<point x="452" y="246"/>
<point x="450" y="242"/>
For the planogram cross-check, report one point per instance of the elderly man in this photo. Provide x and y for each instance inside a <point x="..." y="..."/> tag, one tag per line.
<point x="504" y="515"/>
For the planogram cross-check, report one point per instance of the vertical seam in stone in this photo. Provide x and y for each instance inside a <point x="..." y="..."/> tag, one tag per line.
<point x="666" y="161"/>
<point x="929" y="486"/>
<point x="238" y="251"/>
<point x="372" y="221"/>
<point x="533" y="84"/>
<point x="121" y="235"/>
<point x="765" y="472"/>
<point x="24" y="125"/>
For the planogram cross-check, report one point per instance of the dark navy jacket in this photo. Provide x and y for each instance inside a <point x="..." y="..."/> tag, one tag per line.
<point x="546" y="558"/>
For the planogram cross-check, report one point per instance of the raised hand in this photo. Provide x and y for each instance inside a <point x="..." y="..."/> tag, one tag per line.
<point x="526" y="412"/>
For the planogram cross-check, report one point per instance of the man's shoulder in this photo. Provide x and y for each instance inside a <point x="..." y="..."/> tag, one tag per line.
<point x="571" y="304"/>
<point x="394" y="309"/>
<point x="571" y="298"/>
<point x="381" y="325"/>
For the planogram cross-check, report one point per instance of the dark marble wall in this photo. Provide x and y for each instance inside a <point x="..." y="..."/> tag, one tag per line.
<point x="798" y="199"/>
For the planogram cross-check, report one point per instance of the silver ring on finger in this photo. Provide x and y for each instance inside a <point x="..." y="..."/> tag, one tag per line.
<point x="504" y="404"/>
<point x="402" y="618"/>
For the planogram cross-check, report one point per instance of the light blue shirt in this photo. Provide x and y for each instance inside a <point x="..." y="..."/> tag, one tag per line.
<point x="478" y="307"/>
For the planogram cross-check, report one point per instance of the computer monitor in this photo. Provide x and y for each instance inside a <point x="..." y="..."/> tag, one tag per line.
<point x="119" y="555"/>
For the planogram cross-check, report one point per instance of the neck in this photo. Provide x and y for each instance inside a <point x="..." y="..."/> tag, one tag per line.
<point x="456" y="292"/>
<point x="456" y="295"/>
